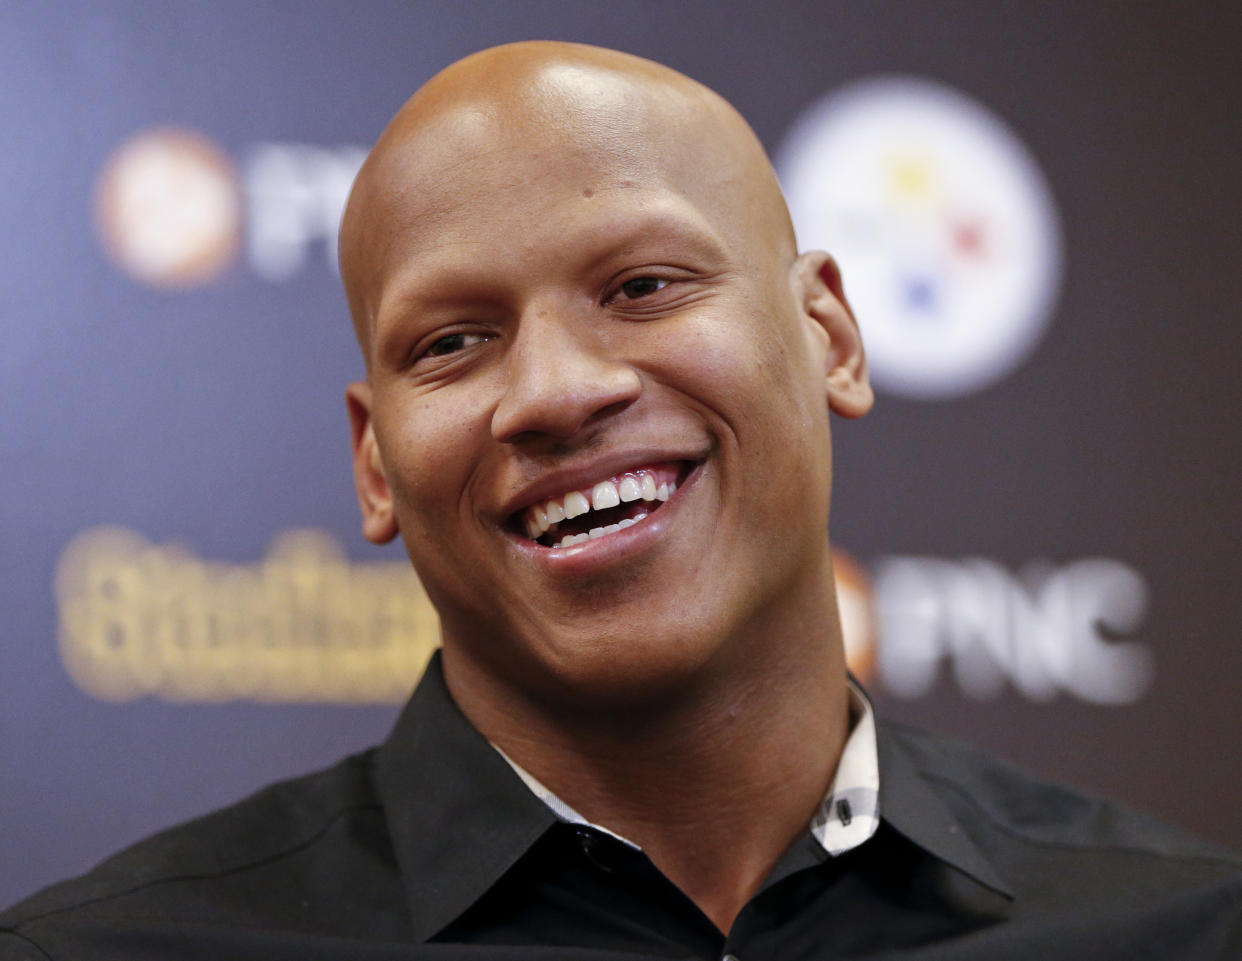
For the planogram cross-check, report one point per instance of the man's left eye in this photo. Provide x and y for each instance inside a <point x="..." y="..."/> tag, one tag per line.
<point x="641" y="287"/>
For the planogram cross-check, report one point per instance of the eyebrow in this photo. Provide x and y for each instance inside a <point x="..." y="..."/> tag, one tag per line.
<point x="667" y="225"/>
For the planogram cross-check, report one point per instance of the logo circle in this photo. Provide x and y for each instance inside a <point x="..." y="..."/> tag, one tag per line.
<point x="942" y="222"/>
<point x="168" y="208"/>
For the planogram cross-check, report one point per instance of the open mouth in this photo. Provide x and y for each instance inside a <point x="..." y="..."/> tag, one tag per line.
<point x="609" y="506"/>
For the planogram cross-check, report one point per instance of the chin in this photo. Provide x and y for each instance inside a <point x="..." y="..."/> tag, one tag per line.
<point x="631" y="671"/>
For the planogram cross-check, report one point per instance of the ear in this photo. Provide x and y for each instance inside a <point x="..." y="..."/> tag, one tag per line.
<point x="822" y="298"/>
<point x="379" y="523"/>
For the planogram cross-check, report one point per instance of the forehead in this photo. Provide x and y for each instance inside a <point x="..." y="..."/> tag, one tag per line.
<point x="508" y="189"/>
<point x="573" y="130"/>
<point x="606" y="111"/>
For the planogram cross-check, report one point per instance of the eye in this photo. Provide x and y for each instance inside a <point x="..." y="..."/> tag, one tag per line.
<point x="451" y="343"/>
<point x="638" y="287"/>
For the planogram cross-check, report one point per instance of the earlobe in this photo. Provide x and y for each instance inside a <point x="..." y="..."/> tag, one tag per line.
<point x="379" y="523"/>
<point x="822" y="297"/>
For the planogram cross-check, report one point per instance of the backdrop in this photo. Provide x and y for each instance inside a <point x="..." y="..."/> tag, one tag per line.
<point x="1036" y="209"/>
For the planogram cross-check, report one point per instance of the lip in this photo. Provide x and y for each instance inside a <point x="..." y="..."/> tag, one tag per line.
<point x="594" y="556"/>
<point x="584" y="475"/>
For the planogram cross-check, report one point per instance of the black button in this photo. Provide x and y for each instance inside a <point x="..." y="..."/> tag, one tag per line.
<point x="594" y="847"/>
<point x="586" y="838"/>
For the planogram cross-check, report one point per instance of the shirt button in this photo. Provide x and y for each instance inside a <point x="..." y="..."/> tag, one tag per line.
<point x="591" y="848"/>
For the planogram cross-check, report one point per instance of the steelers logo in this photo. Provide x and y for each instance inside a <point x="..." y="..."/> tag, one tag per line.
<point x="943" y="224"/>
<point x="168" y="208"/>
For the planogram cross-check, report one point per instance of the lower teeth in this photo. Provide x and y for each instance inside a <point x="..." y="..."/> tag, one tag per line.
<point x="570" y="540"/>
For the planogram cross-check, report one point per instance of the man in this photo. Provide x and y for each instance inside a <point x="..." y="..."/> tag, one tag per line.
<point x="596" y="410"/>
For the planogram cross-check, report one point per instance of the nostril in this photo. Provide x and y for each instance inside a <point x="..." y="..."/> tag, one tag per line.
<point x="611" y="410"/>
<point x="558" y="402"/>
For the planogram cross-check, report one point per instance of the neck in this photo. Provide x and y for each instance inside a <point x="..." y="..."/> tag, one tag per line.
<point x="714" y="782"/>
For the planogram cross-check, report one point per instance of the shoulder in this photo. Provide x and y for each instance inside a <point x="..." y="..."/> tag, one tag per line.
<point x="1062" y="873"/>
<point x="1028" y="825"/>
<point x="197" y="866"/>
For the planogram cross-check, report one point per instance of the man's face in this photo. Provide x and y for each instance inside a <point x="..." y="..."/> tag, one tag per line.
<point x="564" y="316"/>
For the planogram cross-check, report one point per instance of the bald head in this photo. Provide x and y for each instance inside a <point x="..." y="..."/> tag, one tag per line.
<point x="594" y="119"/>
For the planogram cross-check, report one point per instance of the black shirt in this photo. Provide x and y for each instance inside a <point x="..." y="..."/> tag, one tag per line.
<point x="431" y="847"/>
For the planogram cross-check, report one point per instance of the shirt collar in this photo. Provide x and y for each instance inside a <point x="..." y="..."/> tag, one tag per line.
<point x="918" y="813"/>
<point x="458" y="817"/>
<point x="850" y="812"/>
<point x="461" y="814"/>
<point x="848" y="815"/>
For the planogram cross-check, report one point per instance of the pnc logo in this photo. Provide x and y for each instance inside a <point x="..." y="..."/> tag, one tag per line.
<point x="175" y="211"/>
<point x="1043" y="631"/>
<point x="944" y="226"/>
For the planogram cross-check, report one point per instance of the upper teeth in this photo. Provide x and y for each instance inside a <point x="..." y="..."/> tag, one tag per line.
<point x="575" y="504"/>
<point x="608" y="493"/>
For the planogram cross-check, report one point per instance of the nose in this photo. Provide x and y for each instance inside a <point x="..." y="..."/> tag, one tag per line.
<point x="560" y="377"/>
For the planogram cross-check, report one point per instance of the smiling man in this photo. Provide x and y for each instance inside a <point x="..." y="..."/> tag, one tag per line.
<point x="596" y="410"/>
<point x="599" y="382"/>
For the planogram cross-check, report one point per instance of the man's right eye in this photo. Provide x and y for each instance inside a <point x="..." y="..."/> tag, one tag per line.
<point x="451" y="343"/>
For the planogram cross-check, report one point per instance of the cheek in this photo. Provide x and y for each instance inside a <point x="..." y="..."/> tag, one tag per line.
<point x="758" y="377"/>
<point x="430" y="450"/>
<point x="750" y="367"/>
